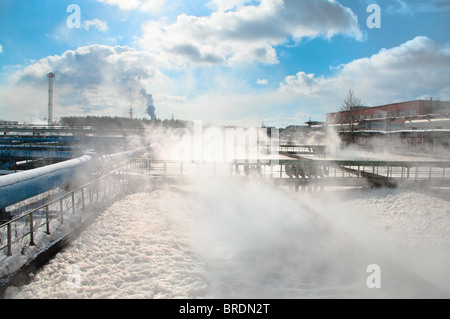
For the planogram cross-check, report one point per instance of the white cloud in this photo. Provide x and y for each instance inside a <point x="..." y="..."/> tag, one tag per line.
<point x="98" y="24"/>
<point x="93" y="80"/>
<point x="414" y="69"/>
<point x="262" y="82"/>
<point x="104" y="80"/>
<point x="247" y="34"/>
<point x="1" y="48"/>
<point x="225" y="5"/>
<point x="152" y="6"/>
<point x="123" y="4"/>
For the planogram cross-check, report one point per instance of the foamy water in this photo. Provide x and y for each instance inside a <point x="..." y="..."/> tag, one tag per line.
<point x="222" y="240"/>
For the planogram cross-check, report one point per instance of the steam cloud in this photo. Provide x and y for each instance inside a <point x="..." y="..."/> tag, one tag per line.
<point x="150" y="106"/>
<point x="215" y="238"/>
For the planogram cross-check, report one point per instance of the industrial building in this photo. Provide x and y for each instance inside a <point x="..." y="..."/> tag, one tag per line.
<point x="411" y="114"/>
<point x="419" y="125"/>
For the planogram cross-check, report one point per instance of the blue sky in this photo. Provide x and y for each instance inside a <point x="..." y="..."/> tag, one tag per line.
<point x="225" y="62"/>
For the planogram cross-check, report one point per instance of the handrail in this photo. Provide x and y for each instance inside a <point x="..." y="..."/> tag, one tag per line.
<point x="44" y="209"/>
<point x="403" y="170"/>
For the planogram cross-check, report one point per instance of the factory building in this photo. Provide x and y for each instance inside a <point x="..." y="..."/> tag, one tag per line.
<point x="419" y="125"/>
<point x="396" y="116"/>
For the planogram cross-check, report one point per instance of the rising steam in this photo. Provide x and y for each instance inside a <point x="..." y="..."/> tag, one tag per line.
<point x="249" y="238"/>
<point x="150" y="106"/>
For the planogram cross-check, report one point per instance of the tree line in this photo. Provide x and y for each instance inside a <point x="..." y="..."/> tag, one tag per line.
<point x="110" y="122"/>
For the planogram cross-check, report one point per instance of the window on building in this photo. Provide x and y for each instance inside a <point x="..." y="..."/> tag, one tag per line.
<point x="412" y="112"/>
<point x="401" y="113"/>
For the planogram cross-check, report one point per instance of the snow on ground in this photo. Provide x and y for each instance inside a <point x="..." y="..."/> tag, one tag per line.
<point x="414" y="226"/>
<point x="138" y="248"/>
<point x="222" y="240"/>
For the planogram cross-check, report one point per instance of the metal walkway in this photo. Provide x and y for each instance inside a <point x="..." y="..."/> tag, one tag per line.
<point x="301" y="172"/>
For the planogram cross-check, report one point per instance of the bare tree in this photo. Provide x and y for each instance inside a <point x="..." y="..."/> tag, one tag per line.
<point x="351" y="102"/>
<point x="350" y="107"/>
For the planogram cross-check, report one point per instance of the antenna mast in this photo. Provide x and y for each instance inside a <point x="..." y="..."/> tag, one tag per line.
<point x="130" y="112"/>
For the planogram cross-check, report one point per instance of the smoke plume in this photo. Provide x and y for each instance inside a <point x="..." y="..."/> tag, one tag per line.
<point x="150" y="106"/>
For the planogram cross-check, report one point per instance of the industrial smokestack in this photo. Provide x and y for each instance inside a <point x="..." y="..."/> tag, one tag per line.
<point x="50" y="97"/>
<point x="150" y="106"/>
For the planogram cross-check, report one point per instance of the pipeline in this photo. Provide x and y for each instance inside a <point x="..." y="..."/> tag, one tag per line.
<point x="20" y="186"/>
<point x="17" y="187"/>
<point x="37" y="154"/>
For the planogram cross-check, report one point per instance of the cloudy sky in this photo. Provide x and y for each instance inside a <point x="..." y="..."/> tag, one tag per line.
<point x="220" y="61"/>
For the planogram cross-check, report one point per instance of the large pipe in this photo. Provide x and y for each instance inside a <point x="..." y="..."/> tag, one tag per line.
<point x="429" y="123"/>
<point x="37" y="154"/>
<point x="17" y="187"/>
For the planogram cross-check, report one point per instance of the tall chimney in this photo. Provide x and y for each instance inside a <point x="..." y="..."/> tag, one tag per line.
<point x="50" y="98"/>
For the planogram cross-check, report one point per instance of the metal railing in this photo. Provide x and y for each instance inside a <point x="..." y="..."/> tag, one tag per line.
<point x="67" y="210"/>
<point x="308" y="168"/>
